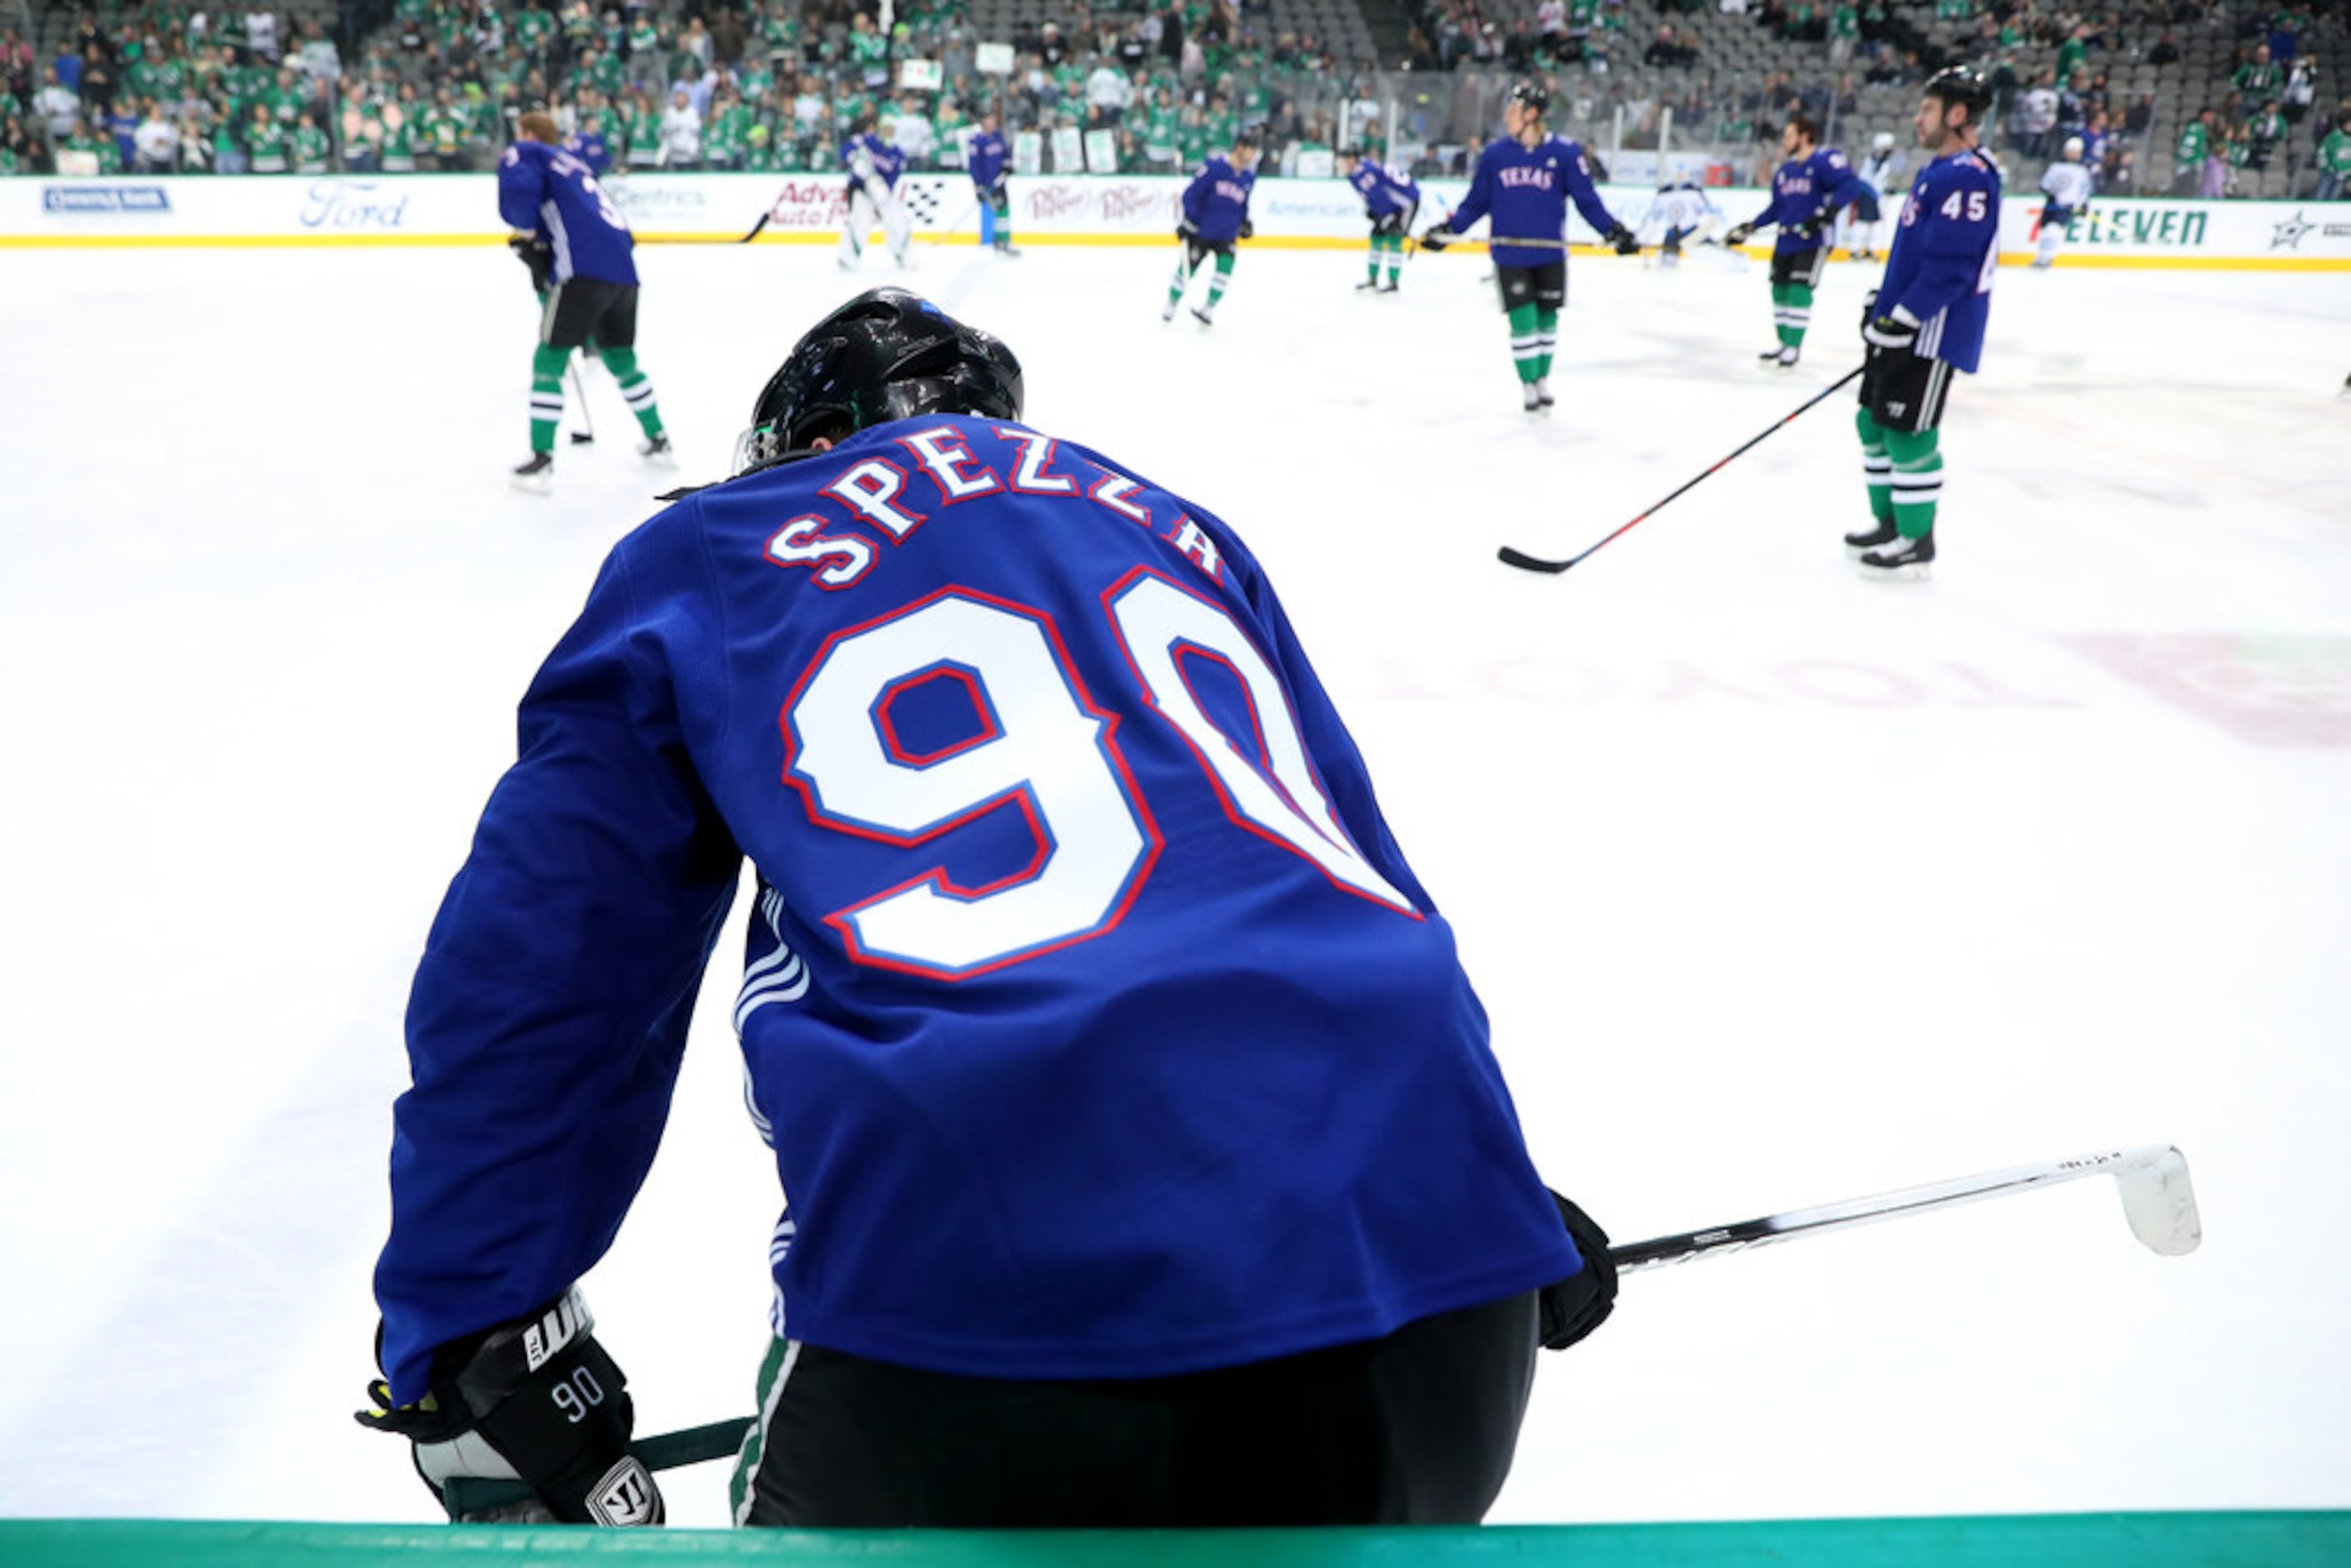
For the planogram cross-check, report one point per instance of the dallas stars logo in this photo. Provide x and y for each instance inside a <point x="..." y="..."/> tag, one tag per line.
<point x="2288" y="234"/>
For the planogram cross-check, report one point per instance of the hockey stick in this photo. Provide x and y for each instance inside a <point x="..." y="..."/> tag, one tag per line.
<point x="580" y="394"/>
<point x="748" y="238"/>
<point x="2158" y="1200"/>
<point x="1526" y="562"/>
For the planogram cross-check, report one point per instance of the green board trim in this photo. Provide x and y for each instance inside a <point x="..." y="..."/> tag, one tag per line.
<point x="2234" y="1540"/>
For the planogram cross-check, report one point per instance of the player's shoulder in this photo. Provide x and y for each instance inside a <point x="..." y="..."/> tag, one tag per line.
<point x="1834" y="158"/>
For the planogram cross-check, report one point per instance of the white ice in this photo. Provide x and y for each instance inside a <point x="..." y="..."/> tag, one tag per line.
<point x="1781" y="887"/>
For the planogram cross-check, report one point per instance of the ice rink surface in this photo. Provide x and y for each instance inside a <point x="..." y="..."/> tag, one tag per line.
<point x="1781" y="887"/>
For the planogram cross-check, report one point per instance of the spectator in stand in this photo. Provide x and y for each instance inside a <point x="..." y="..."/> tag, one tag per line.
<point x="57" y="105"/>
<point x="2334" y="157"/>
<point x="98" y="85"/>
<point x="2215" y="182"/>
<point x="2258" y="79"/>
<point x="156" y="142"/>
<point x="2166" y="51"/>
<point x="1109" y="91"/>
<point x="680" y="131"/>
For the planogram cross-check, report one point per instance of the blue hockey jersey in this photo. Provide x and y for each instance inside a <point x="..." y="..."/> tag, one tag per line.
<point x="1526" y="192"/>
<point x="1098" y="1025"/>
<point x="1806" y="195"/>
<point x="1218" y="199"/>
<point x="869" y="158"/>
<point x="1383" y="190"/>
<point x="1946" y="249"/>
<point x="551" y="192"/>
<point x="986" y="159"/>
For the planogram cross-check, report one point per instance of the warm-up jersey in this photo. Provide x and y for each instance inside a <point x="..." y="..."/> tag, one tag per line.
<point x="872" y="162"/>
<point x="1945" y="251"/>
<point x="1525" y="189"/>
<point x="986" y="159"/>
<point x="2068" y="187"/>
<point x="1806" y="195"/>
<point x="546" y="190"/>
<point x="1384" y="191"/>
<point x="1218" y="199"/>
<point x="1097" y="1023"/>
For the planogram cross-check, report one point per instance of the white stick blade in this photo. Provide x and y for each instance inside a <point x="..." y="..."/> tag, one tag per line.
<point x="2160" y="1203"/>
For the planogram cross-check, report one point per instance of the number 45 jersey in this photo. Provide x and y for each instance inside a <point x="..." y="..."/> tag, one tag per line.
<point x="1946" y="249"/>
<point x="1097" y="1023"/>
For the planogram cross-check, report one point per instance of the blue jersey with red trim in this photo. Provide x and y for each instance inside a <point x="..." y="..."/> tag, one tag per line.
<point x="1526" y="189"/>
<point x="1807" y="194"/>
<point x="552" y="193"/>
<point x="1383" y="190"/>
<point x="1946" y="249"/>
<point x="1098" y="1025"/>
<point x="1218" y="199"/>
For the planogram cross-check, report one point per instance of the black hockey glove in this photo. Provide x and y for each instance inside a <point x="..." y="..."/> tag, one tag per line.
<point x="1437" y="237"/>
<point x="1739" y="233"/>
<point x="1898" y="330"/>
<point x="534" y="1400"/>
<point x="1622" y="239"/>
<point x="536" y="254"/>
<point x="1580" y="1302"/>
<point x="1247" y="230"/>
<point x="1186" y="229"/>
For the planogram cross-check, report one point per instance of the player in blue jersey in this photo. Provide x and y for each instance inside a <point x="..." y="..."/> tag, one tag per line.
<point x="1524" y="181"/>
<point x="582" y="256"/>
<point x="1216" y="217"/>
<point x="1390" y="200"/>
<point x="1147" y="1163"/>
<point x="1808" y="192"/>
<point x="988" y="160"/>
<point x="1925" y="319"/>
<point x="874" y="163"/>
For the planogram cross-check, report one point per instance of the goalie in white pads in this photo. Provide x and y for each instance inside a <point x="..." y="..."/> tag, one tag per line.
<point x="874" y="164"/>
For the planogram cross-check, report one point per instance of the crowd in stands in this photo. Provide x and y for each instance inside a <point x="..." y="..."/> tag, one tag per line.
<point x="778" y="85"/>
<point x="767" y="85"/>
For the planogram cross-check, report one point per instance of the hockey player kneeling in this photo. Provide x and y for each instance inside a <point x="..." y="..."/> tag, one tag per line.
<point x="1103" y="1036"/>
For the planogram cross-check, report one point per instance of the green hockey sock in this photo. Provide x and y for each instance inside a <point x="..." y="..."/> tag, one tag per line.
<point x="545" y="395"/>
<point x="1526" y="342"/>
<point x="636" y="389"/>
<point x="1396" y="256"/>
<point x="1877" y="467"/>
<point x="1917" y="480"/>
<point x="1546" y="339"/>
<point x="1182" y="281"/>
<point x="1378" y="245"/>
<point x="1800" y="314"/>
<point x="1221" y="279"/>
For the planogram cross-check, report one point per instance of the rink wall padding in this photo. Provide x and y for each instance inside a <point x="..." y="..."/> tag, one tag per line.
<point x="339" y="210"/>
<point x="2237" y="1540"/>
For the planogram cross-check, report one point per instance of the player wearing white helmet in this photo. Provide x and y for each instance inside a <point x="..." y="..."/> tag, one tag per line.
<point x="2067" y="185"/>
<point x="1882" y="171"/>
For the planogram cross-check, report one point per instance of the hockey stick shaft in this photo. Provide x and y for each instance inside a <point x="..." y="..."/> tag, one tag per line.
<point x="580" y="396"/>
<point x="762" y="224"/>
<point x="1526" y="562"/>
<point x="2157" y="1198"/>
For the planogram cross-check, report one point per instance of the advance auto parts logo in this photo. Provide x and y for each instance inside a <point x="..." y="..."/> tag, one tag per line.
<point x="105" y="199"/>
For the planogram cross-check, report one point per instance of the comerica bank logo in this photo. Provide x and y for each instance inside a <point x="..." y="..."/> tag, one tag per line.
<point x="105" y="199"/>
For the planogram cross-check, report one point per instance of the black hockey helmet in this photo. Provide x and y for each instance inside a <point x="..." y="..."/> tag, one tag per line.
<point x="887" y="354"/>
<point x="1532" y="96"/>
<point x="1961" y="84"/>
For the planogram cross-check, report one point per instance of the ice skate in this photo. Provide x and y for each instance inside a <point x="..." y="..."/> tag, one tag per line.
<point x="1904" y="559"/>
<point x="1389" y="286"/>
<point x="1543" y="392"/>
<point x="1168" y="314"/>
<point x="1203" y="316"/>
<point x="1367" y="286"/>
<point x="537" y="476"/>
<point x="1782" y="358"/>
<point x="1530" y="398"/>
<point x="657" y="451"/>
<point x="1879" y="536"/>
